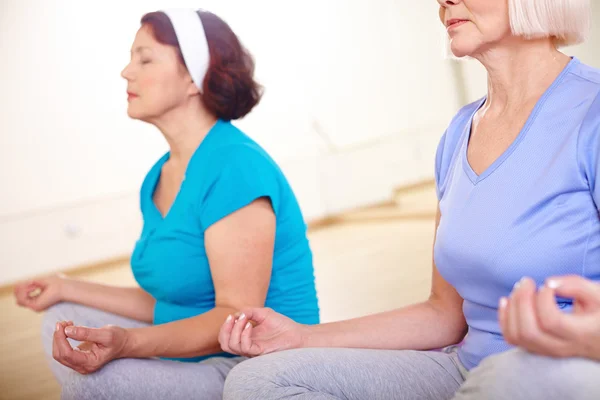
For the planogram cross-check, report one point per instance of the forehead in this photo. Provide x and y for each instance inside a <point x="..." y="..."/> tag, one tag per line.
<point x="144" y="40"/>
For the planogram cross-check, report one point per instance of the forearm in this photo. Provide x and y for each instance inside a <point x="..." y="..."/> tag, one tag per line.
<point x="130" y="302"/>
<point x="191" y="337"/>
<point x="417" y="327"/>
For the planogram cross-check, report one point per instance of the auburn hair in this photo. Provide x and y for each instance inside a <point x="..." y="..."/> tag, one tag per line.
<point x="229" y="90"/>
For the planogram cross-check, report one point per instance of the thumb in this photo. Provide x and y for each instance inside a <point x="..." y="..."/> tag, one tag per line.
<point x="102" y="336"/>
<point x="577" y="288"/>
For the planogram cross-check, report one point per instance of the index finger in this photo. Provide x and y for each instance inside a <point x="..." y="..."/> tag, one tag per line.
<point x="64" y="350"/>
<point x="576" y="287"/>
<point x="84" y="334"/>
<point x="257" y="315"/>
<point x="225" y="333"/>
<point x="550" y="318"/>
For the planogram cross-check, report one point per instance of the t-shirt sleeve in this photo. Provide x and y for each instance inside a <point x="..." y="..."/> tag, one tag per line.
<point x="588" y="149"/>
<point x="244" y="175"/>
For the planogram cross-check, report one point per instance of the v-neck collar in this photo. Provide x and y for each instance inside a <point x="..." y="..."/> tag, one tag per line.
<point x="197" y="155"/>
<point x="473" y="176"/>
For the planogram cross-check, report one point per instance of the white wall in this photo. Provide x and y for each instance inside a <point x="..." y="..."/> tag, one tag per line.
<point x="367" y="75"/>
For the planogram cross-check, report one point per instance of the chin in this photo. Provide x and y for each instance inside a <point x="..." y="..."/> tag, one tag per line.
<point x="135" y="114"/>
<point x="462" y="49"/>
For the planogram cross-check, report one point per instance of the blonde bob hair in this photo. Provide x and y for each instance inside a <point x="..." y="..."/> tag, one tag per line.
<point x="566" y="21"/>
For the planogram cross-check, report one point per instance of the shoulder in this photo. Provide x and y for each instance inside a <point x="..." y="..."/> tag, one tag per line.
<point x="587" y="92"/>
<point x="237" y="163"/>
<point x="232" y="148"/>
<point x="587" y="73"/>
<point x="458" y="126"/>
<point x="589" y="132"/>
<point x="238" y="171"/>
<point x="461" y="120"/>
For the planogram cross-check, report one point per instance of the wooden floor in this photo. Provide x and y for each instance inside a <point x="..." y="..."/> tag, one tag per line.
<point x="367" y="261"/>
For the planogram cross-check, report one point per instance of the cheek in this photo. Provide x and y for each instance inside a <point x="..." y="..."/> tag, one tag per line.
<point x="160" y="93"/>
<point x="492" y="17"/>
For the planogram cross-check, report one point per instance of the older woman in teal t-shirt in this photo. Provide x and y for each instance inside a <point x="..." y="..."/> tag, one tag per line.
<point x="222" y="231"/>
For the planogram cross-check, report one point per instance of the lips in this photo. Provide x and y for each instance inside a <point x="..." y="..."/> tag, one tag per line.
<point x="131" y="95"/>
<point x="455" y="21"/>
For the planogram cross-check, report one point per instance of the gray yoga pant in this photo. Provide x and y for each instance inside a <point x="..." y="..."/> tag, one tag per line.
<point x="410" y="375"/>
<point x="132" y="378"/>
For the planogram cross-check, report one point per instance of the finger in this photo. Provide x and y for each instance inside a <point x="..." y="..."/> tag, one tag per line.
<point x="236" y="332"/>
<point x="56" y="353"/>
<point x="57" y="349"/>
<point x="22" y="292"/>
<point x="257" y="315"/>
<point x="102" y="336"/>
<point x="225" y="333"/>
<point x="64" y="349"/>
<point x="583" y="290"/>
<point x="511" y="316"/>
<point x="502" y="315"/>
<point x="246" y="340"/>
<point x="551" y="319"/>
<point x="526" y="329"/>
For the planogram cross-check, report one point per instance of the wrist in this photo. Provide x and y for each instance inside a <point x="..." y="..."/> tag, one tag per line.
<point x="306" y="334"/>
<point x="65" y="289"/>
<point x="130" y="344"/>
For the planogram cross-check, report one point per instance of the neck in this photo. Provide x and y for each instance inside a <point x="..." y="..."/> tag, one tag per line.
<point x="519" y="74"/>
<point x="184" y="128"/>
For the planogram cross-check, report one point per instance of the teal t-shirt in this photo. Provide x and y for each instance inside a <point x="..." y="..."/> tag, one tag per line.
<point x="228" y="171"/>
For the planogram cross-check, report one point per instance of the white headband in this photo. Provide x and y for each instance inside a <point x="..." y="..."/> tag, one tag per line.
<point x="192" y="41"/>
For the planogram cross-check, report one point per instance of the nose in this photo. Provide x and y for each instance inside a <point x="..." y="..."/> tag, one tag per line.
<point x="126" y="72"/>
<point x="448" y="3"/>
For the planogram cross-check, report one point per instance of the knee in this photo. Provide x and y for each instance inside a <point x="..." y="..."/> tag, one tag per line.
<point x="518" y="374"/>
<point x="109" y="382"/>
<point x="246" y="378"/>
<point x="52" y="315"/>
<point x="262" y="377"/>
<point x="82" y="387"/>
<point x="63" y="311"/>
